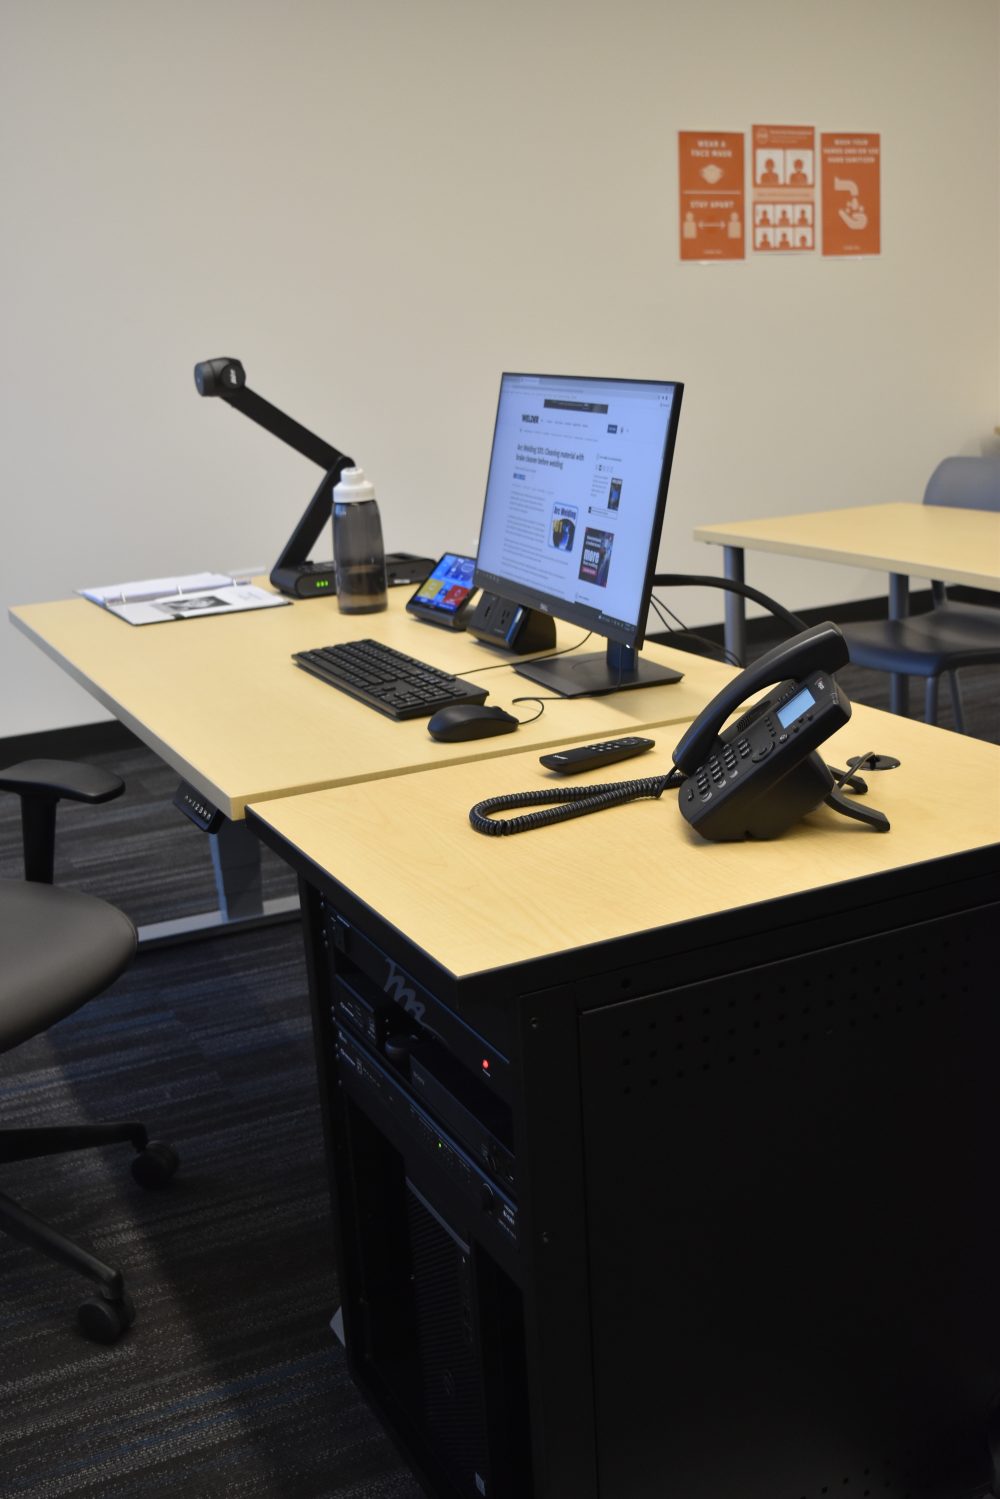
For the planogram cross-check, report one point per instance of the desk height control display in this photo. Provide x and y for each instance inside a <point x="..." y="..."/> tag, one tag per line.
<point x="198" y="809"/>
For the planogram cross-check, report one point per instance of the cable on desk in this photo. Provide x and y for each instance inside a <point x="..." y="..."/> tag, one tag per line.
<point x="579" y="800"/>
<point x="850" y="777"/>
<point x="565" y="650"/>
<point x="541" y="701"/>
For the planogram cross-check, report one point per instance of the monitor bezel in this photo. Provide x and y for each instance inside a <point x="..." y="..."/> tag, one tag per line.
<point x="582" y="614"/>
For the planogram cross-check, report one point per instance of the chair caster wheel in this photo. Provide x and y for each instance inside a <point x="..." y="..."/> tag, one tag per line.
<point x="155" y="1165"/>
<point x="105" y="1321"/>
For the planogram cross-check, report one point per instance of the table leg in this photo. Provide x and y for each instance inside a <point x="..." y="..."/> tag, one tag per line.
<point x="736" y="617"/>
<point x="239" y="887"/>
<point x="236" y="863"/>
<point x="899" y="608"/>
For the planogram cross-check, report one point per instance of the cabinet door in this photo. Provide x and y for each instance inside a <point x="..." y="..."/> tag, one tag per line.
<point x="791" y="1233"/>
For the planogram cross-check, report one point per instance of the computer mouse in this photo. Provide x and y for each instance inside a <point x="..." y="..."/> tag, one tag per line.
<point x="470" y="721"/>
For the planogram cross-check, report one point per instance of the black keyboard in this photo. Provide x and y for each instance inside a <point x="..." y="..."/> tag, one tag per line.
<point x="386" y="680"/>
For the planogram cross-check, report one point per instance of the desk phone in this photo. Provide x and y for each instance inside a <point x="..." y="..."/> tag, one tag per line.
<point x="750" y="780"/>
<point x="762" y="773"/>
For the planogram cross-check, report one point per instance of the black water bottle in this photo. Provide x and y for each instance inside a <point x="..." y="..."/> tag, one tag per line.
<point x="358" y="553"/>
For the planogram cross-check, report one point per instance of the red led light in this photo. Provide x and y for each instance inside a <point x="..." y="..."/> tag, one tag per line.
<point x="486" y="1064"/>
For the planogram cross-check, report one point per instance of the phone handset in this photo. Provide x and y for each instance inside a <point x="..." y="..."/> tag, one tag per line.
<point x="822" y="647"/>
<point x="762" y="773"/>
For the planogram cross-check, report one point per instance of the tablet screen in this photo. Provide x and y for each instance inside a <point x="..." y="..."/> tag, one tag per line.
<point x="448" y="588"/>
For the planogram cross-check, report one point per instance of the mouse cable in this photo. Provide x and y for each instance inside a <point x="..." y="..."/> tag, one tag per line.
<point x="550" y="697"/>
<point x="541" y="701"/>
<point x="576" y="801"/>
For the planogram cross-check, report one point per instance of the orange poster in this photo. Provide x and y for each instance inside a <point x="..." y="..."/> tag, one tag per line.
<point x="851" y="194"/>
<point x="711" y="194"/>
<point x="784" y="188"/>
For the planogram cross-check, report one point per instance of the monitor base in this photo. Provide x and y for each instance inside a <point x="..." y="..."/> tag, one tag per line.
<point x="595" y="675"/>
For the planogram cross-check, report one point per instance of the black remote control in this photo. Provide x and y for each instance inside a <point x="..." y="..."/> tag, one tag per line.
<point x="591" y="756"/>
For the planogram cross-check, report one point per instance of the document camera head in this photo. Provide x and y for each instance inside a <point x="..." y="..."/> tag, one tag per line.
<point x="214" y="377"/>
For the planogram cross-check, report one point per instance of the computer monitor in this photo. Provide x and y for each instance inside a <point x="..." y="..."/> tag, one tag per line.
<point x="571" y="524"/>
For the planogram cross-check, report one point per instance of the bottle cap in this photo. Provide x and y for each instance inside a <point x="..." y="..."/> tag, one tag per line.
<point x="353" y="486"/>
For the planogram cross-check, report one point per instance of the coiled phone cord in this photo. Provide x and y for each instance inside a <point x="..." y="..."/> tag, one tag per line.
<point x="578" y="800"/>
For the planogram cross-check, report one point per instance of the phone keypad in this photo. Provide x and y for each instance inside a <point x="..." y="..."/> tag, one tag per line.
<point x="721" y="769"/>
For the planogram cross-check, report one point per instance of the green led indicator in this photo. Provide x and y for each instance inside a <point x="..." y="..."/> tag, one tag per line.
<point x="322" y="582"/>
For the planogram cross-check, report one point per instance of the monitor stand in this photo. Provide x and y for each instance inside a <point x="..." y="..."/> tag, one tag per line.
<point x="594" y="675"/>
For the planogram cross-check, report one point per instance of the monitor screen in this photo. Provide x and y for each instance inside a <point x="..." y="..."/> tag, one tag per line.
<point x="574" y="504"/>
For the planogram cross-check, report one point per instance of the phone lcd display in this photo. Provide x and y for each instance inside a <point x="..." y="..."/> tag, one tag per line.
<point x="446" y="592"/>
<point x="795" y="707"/>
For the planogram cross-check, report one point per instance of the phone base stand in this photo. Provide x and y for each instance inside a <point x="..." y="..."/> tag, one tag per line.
<point x="871" y="816"/>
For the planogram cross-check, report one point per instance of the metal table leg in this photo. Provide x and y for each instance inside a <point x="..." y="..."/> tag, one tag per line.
<point x="736" y="618"/>
<point x="899" y="608"/>
<point x="236" y="863"/>
<point x="238" y="884"/>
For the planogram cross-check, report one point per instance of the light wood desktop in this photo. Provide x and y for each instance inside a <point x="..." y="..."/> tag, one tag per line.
<point x="750" y="1088"/>
<point x="630" y="868"/>
<point x="220" y="700"/>
<point x="926" y="541"/>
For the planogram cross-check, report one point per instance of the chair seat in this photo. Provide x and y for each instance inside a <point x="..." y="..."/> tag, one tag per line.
<point x="58" y="948"/>
<point x="925" y="645"/>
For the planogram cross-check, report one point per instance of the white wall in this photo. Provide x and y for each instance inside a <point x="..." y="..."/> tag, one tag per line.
<point x="378" y="208"/>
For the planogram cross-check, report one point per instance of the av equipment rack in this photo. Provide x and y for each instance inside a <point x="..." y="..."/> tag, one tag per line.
<point x="703" y="1210"/>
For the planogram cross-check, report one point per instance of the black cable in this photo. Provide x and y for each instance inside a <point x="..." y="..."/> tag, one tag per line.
<point x="497" y="665"/>
<point x="729" y="585"/>
<point x="541" y="709"/>
<point x="850" y="777"/>
<point x="713" y="645"/>
<point x="580" y="800"/>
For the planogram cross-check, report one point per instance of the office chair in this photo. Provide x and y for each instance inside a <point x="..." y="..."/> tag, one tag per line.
<point x="59" y="949"/>
<point x="951" y="635"/>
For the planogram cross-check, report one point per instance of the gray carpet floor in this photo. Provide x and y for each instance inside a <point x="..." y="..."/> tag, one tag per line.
<point x="230" y="1382"/>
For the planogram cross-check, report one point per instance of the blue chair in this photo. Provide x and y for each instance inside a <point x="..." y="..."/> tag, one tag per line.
<point x="951" y="635"/>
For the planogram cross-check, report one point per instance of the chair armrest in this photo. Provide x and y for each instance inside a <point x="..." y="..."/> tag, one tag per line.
<point x="51" y="780"/>
<point x="41" y="785"/>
